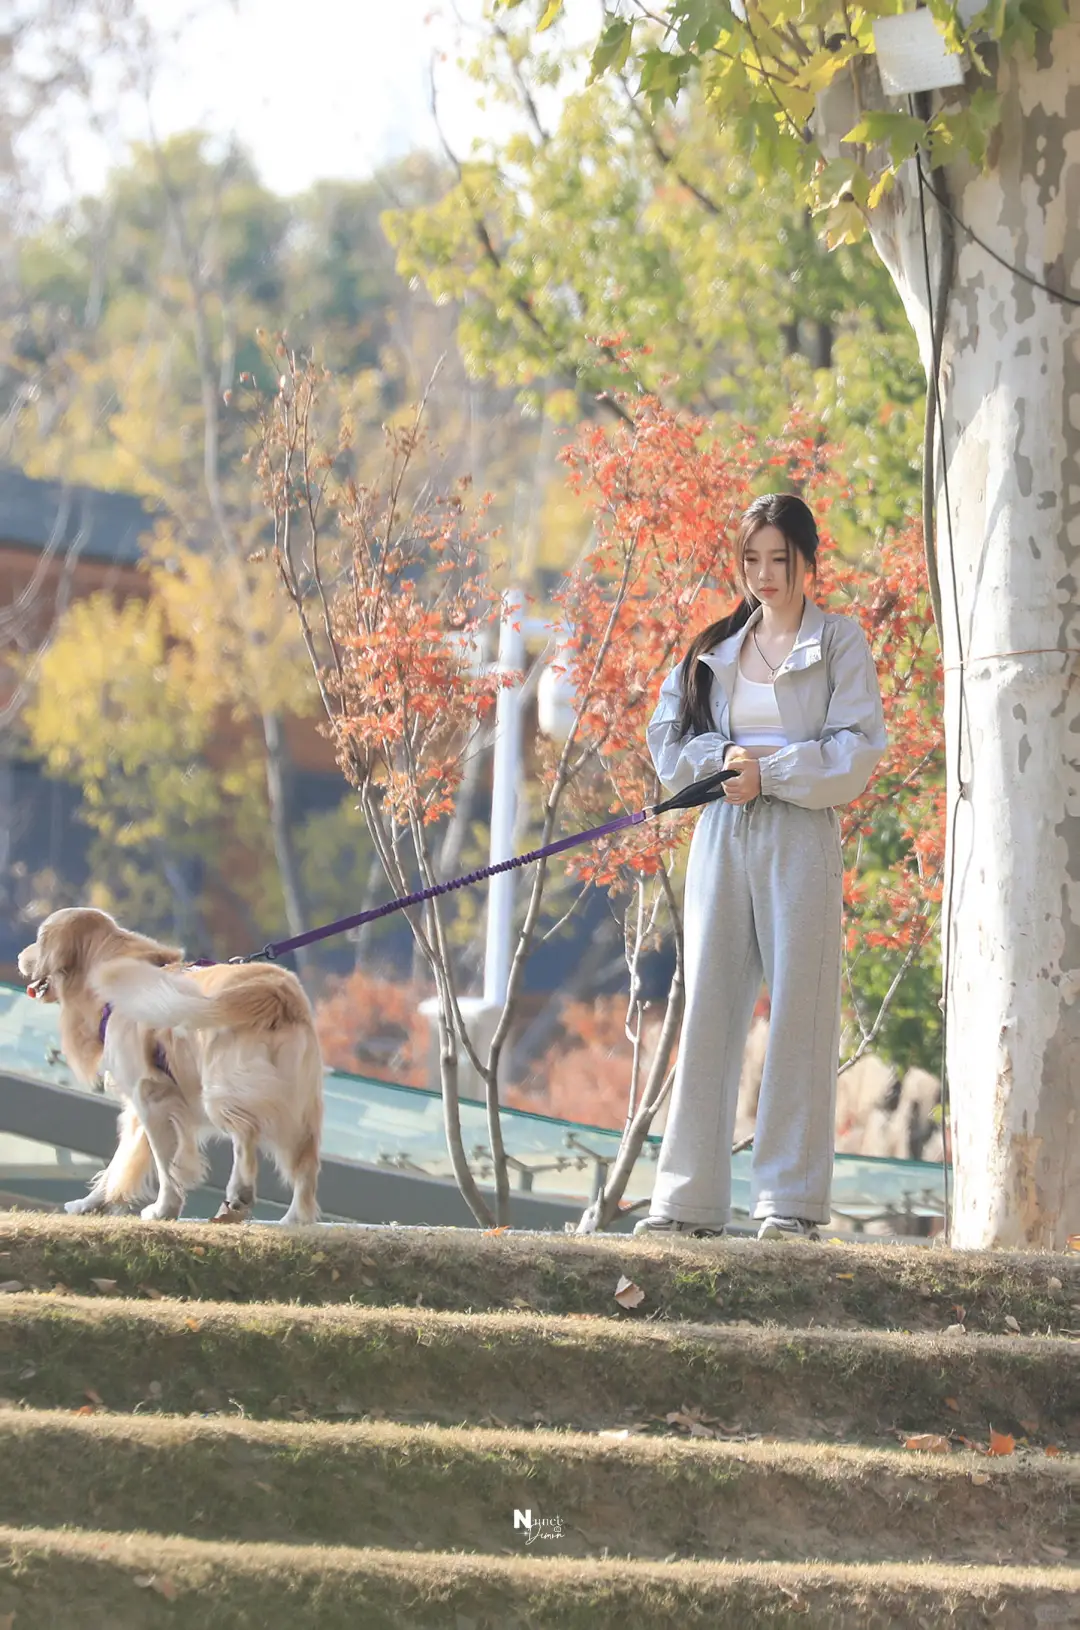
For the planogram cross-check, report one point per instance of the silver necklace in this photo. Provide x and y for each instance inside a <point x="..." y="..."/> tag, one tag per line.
<point x="765" y="659"/>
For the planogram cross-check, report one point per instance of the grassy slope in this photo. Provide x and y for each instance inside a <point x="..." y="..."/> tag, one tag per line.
<point x="388" y="1485"/>
<point x="888" y="1287"/>
<point x="509" y="1368"/>
<point x="88" y="1581"/>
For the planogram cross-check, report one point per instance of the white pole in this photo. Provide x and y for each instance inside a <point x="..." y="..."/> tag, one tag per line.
<point x="505" y="770"/>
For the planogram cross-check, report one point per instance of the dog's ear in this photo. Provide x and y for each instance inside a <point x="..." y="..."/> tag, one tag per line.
<point x="61" y="948"/>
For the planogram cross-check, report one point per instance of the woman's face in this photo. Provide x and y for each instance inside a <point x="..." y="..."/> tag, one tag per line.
<point x="765" y="569"/>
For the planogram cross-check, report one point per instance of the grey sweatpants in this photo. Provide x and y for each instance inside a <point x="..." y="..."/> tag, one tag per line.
<point x="764" y="896"/>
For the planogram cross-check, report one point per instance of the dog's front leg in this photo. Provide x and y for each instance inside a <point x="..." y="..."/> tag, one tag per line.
<point x="124" y="1178"/>
<point x="96" y="1200"/>
<point x="162" y="1112"/>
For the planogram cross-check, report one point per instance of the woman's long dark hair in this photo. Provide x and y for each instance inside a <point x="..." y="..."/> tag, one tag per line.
<point x="795" y="520"/>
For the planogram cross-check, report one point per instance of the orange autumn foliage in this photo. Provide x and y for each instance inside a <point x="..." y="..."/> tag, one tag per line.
<point x="371" y="1026"/>
<point x="667" y="498"/>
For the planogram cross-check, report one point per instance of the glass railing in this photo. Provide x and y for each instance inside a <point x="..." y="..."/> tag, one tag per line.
<point x="401" y="1128"/>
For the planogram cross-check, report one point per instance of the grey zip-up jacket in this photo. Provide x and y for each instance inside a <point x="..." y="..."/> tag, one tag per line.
<point x="830" y="707"/>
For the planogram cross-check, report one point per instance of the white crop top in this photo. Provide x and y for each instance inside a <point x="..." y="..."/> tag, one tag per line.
<point x="754" y="716"/>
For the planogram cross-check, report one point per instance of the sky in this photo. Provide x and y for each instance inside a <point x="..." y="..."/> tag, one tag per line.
<point x="313" y="88"/>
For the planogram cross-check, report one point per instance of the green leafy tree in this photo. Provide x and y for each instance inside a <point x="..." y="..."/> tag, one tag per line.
<point x="564" y="247"/>
<point x="961" y="178"/>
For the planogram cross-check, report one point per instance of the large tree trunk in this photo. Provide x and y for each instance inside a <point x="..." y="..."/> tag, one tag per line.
<point x="1010" y="437"/>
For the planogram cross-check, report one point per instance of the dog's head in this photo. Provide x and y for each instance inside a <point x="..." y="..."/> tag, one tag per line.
<point x="70" y="941"/>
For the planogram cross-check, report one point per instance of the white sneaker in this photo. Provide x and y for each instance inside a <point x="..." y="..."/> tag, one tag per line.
<point x="788" y="1228"/>
<point x="668" y="1225"/>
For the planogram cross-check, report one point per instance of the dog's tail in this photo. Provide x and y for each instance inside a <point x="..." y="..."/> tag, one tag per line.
<point x="167" y="998"/>
<point x="130" y="1173"/>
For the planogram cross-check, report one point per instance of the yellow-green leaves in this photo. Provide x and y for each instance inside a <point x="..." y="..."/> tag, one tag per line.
<point x="612" y="48"/>
<point x="663" y="74"/>
<point x="819" y="71"/>
<point x="899" y="132"/>
<point x="550" y="14"/>
<point x="842" y="191"/>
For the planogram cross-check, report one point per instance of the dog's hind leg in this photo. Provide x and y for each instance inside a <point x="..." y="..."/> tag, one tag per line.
<point x="301" y="1163"/>
<point x="174" y="1146"/>
<point x="240" y="1191"/>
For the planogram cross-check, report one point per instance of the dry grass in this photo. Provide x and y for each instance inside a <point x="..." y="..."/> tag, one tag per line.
<point x="248" y="1388"/>
<point x="88" y="1580"/>
<point x="876" y="1286"/>
<point x="592" y="1373"/>
<point x="390" y="1485"/>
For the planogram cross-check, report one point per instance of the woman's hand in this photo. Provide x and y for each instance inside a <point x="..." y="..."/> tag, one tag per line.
<point x="747" y="784"/>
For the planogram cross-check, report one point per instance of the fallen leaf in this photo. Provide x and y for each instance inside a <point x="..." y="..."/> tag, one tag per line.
<point x="10" y="1286"/>
<point x="198" y="1250"/>
<point x="1053" y="1450"/>
<point x="627" y="1294"/>
<point x="519" y="1301"/>
<point x="951" y="1403"/>
<point x="156" y="1581"/>
<point x="961" y="1312"/>
<point x="318" y="1256"/>
<point x="1001" y="1443"/>
<point x="845" y="1276"/>
<point x="930" y="1442"/>
<point x="92" y="1396"/>
<point x="502" y="1229"/>
<point x="85" y="1409"/>
<point x="266" y="1488"/>
<point x="926" y="1290"/>
<point x="980" y="1478"/>
<point x="1054" y="1283"/>
<point x="104" y="1285"/>
<point x="1011" y="1323"/>
<point x="154" y="1295"/>
<point x="1054" y="1550"/>
<point x="1073" y="1242"/>
<point x="692" y="1424"/>
<point x="955" y="1330"/>
<point x="624" y="1432"/>
<point x="335" y="1274"/>
<point x="192" y="1324"/>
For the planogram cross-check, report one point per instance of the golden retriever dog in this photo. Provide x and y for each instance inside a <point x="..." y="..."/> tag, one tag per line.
<point x="231" y="1047"/>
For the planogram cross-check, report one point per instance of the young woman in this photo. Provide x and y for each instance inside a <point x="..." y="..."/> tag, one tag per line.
<point x="788" y="695"/>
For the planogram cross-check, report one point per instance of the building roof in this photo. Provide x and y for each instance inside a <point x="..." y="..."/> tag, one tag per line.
<point x="98" y="525"/>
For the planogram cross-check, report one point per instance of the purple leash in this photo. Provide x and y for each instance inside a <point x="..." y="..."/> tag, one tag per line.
<point x="699" y="792"/>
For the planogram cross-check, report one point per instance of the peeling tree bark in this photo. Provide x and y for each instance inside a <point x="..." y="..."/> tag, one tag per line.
<point x="1009" y="441"/>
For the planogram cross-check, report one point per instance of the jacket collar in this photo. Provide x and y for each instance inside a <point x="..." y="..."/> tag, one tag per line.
<point x="724" y="659"/>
